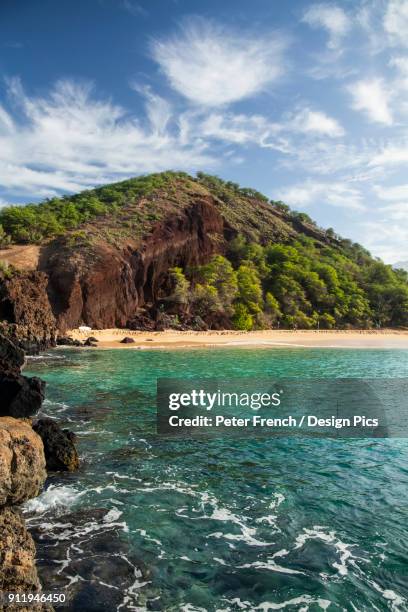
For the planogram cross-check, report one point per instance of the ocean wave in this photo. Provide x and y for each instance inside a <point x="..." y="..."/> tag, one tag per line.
<point x="266" y="606"/>
<point x="52" y="498"/>
<point x="44" y="356"/>
<point x="218" y="512"/>
<point x="58" y="406"/>
<point x="345" y="555"/>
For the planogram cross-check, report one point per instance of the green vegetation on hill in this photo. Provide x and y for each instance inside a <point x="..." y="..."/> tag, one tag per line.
<point x="299" y="285"/>
<point x="278" y="267"/>
<point x="35" y="223"/>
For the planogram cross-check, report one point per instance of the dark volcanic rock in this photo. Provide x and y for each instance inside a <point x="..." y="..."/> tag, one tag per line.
<point x="59" y="448"/>
<point x="21" y="397"/>
<point x="12" y="358"/>
<point x="67" y="341"/>
<point x="127" y="340"/>
<point x="141" y="322"/>
<point x="25" y="311"/>
<point x="90" y="342"/>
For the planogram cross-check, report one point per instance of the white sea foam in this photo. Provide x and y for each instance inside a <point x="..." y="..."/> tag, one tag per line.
<point x="43" y="356"/>
<point x="343" y="550"/>
<point x="277" y="500"/>
<point x="145" y="535"/>
<point x="58" y="406"/>
<point x="395" y="601"/>
<point x="53" y="497"/>
<point x="266" y="606"/>
<point x="218" y="513"/>
<point x="270" y="565"/>
<point x="220" y="561"/>
<point x="112" y="515"/>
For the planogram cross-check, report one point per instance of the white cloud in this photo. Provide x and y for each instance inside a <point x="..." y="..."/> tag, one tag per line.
<point x="401" y="82"/>
<point x="396" y="22"/>
<point x="134" y="8"/>
<point x="372" y="97"/>
<point x="333" y="194"/>
<point x="391" y="155"/>
<point x="212" y="66"/>
<point x="316" y="122"/>
<point x="393" y="193"/>
<point x="70" y="140"/>
<point x="386" y="240"/>
<point x="397" y="211"/>
<point x="239" y="129"/>
<point x="330" y="17"/>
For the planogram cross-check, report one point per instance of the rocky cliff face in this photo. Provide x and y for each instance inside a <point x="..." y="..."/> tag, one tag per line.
<point x="104" y="285"/>
<point x="26" y="316"/>
<point x="23" y="469"/>
<point x="22" y="474"/>
<point x="18" y="572"/>
<point x="20" y="396"/>
<point x="22" y="462"/>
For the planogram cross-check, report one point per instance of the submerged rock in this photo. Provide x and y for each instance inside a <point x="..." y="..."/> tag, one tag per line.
<point x="22" y="462"/>
<point x="59" y="447"/>
<point x="92" y="544"/>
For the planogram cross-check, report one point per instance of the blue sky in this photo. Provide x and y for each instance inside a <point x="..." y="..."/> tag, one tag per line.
<point x="307" y="102"/>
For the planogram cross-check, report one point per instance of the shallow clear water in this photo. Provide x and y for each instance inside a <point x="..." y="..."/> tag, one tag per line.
<point x="217" y="524"/>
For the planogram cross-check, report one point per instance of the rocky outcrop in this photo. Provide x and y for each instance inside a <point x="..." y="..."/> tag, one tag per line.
<point x="105" y="285"/>
<point x="17" y="554"/>
<point x="127" y="340"/>
<point x="22" y="462"/>
<point x="12" y="358"/>
<point x="25" y="312"/>
<point x="59" y="447"/>
<point x="21" y="397"/>
<point x="67" y="341"/>
<point x="22" y="474"/>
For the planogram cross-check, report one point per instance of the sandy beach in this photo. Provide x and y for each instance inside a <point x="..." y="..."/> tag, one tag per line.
<point x="111" y="338"/>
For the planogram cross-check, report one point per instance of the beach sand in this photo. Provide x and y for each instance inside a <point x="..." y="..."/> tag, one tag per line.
<point x="111" y="338"/>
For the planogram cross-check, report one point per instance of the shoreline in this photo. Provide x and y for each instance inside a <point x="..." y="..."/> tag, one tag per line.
<point x="274" y="338"/>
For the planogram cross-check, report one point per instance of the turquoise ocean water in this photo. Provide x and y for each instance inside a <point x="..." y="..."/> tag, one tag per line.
<point x="219" y="524"/>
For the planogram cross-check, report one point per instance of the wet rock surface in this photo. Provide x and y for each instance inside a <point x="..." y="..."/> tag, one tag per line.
<point x="59" y="447"/>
